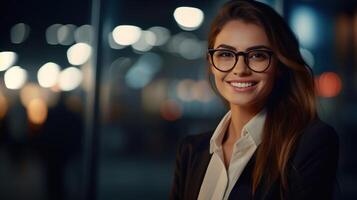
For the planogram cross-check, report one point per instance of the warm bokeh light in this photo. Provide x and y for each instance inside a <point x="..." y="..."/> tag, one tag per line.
<point x="79" y="53"/>
<point x="328" y="84"/>
<point x="188" y="18"/>
<point x="51" y="34"/>
<point x="32" y="91"/>
<point x="126" y="34"/>
<point x="29" y="92"/>
<point x="188" y="90"/>
<point x="113" y="44"/>
<point x="184" y="91"/>
<point x="70" y="78"/>
<point x="343" y="35"/>
<point x="162" y="35"/>
<point x="154" y="94"/>
<point x="7" y="59"/>
<point x="170" y="110"/>
<point x="65" y="34"/>
<point x="3" y="106"/>
<point x="202" y="91"/>
<point x="47" y="75"/>
<point x="37" y="111"/>
<point x="19" y="33"/>
<point x="15" y="77"/>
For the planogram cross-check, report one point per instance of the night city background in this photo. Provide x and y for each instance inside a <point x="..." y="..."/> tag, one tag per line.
<point x="95" y="94"/>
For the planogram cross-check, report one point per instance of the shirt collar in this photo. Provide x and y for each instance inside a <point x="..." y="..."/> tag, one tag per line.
<point x="254" y="128"/>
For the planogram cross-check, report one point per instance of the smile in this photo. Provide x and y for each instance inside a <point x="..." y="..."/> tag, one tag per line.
<point x="242" y="84"/>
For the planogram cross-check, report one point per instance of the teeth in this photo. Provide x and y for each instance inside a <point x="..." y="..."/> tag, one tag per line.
<point x="242" y="85"/>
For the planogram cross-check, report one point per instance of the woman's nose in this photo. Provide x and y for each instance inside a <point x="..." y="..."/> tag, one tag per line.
<point x="240" y="67"/>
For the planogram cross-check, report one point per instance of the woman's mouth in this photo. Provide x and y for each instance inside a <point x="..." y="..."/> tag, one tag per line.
<point x="243" y="84"/>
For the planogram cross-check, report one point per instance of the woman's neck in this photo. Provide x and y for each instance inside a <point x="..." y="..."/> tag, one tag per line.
<point x="239" y="117"/>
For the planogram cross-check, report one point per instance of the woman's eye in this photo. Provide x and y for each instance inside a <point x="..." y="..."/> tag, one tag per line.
<point x="225" y="54"/>
<point x="258" y="56"/>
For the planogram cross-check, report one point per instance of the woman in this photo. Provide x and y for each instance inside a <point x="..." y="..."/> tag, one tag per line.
<point x="271" y="144"/>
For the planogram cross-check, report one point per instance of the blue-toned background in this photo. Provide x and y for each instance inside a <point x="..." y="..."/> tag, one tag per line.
<point x="91" y="108"/>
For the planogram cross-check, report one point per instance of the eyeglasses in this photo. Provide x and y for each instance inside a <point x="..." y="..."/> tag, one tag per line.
<point x="224" y="60"/>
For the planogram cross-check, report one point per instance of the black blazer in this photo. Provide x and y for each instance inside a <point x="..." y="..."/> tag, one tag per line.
<point x="311" y="174"/>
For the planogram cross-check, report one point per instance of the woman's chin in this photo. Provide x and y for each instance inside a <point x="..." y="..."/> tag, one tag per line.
<point x="242" y="103"/>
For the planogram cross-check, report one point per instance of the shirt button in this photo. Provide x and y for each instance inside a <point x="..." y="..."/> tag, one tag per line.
<point x="245" y="132"/>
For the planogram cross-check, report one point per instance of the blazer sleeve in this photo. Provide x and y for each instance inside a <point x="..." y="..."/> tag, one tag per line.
<point x="314" y="164"/>
<point x="177" y="188"/>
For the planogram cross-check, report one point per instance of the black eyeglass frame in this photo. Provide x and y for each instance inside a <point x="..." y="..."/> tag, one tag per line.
<point x="244" y="54"/>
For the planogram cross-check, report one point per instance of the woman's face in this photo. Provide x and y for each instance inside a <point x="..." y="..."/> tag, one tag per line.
<point x="242" y="86"/>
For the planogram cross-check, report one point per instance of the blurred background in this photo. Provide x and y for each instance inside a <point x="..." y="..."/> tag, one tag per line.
<point x="95" y="94"/>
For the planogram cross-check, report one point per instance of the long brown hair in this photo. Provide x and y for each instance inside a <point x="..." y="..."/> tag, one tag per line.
<point x="292" y="104"/>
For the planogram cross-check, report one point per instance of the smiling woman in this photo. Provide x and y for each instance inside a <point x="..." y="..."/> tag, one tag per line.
<point x="271" y="144"/>
<point x="249" y="80"/>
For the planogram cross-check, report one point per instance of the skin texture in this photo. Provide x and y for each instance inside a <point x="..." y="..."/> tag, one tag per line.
<point x="238" y="35"/>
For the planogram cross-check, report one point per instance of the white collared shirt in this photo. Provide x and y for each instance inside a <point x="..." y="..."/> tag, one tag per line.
<point x="218" y="182"/>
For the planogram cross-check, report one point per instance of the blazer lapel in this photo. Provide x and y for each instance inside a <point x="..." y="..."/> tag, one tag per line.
<point x="199" y="167"/>
<point x="242" y="188"/>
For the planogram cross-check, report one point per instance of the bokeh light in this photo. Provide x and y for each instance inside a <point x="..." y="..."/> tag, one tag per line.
<point x="3" y="106"/>
<point x="48" y="74"/>
<point x="7" y="59"/>
<point x="162" y="35"/>
<point x="170" y="110"/>
<point x="113" y="44"/>
<point x="65" y="34"/>
<point x="188" y="18"/>
<point x="149" y="37"/>
<point x="29" y="92"/>
<point x="70" y="78"/>
<point x="37" y="111"/>
<point x="126" y="34"/>
<point x="51" y="34"/>
<point x="191" y="49"/>
<point x="19" y="33"/>
<point x="184" y="92"/>
<point x="15" y="77"/>
<point x="143" y="71"/>
<point x="202" y="91"/>
<point x="79" y="53"/>
<point x="188" y="90"/>
<point x="187" y="45"/>
<point x="84" y="34"/>
<point x="146" y="41"/>
<point x="304" y="23"/>
<point x="328" y="84"/>
<point x="32" y="91"/>
<point x="154" y="94"/>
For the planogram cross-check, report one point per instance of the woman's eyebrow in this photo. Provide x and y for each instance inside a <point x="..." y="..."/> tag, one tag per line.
<point x="225" y="46"/>
<point x="258" y="47"/>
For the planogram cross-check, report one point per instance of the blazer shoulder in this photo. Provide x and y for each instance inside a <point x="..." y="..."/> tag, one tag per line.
<point x="320" y="133"/>
<point x="317" y="140"/>
<point x="314" y="163"/>
<point x="197" y="142"/>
